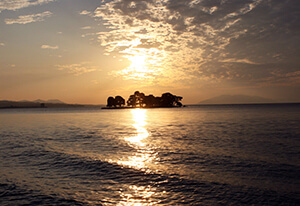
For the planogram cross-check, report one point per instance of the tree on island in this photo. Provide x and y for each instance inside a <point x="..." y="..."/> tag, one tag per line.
<point x="110" y="102"/>
<point x="139" y="99"/>
<point x="136" y="100"/>
<point x="147" y="101"/>
<point x="118" y="101"/>
<point x="170" y="100"/>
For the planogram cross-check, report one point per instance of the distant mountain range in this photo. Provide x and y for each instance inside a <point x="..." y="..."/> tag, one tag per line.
<point x="51" y="101"/>
<point x="32" y="104"/>
<point x="39" y="103"/>
<point x="236" y="99"/>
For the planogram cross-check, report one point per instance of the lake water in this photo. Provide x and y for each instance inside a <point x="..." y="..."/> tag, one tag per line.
<point x="197" y="155"/>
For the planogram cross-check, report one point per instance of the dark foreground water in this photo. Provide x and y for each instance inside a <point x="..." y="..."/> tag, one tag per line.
<point x="198" y="155"/>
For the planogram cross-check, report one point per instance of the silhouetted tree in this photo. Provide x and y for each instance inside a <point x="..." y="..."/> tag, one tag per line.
<point x="136" y="100"/>
<point x="167" y="100"/>
<point x="131" y="102"/>
<point x="141" y="100"/>
<point x="111" y="102"/>
<point x="158" y="101"/>
<point x="179" y="104"/>
<point x="119" y="101"/>
<point x="177" y="101"/>
<point x="149" y="101"/>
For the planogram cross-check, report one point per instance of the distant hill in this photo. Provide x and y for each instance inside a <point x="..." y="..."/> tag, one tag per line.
<point x="35" y="104"/>
<point x="51" y="101"/>
<point x="236" y="99"/>
<point x="19" y="104"/>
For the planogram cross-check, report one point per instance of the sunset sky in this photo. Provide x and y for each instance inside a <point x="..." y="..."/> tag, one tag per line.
<point x="82" y="51"/>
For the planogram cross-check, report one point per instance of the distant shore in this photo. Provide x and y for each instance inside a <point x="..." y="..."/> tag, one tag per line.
<point x="24" y="105"/>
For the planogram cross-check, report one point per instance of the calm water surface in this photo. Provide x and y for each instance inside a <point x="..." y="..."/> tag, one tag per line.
<point x="198" y="155"/>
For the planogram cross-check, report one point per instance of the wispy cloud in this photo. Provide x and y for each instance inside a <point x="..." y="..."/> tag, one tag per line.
<point x="49" y="47"/>
<point x="26" y="19"/>
<point x="77" y="69"/>
<point x="19" y="4"/>
<point x="85" y="12"/>
<point x="86" y="27"/>
<point x="233" y="60"/>
<point x="198" y="39"/>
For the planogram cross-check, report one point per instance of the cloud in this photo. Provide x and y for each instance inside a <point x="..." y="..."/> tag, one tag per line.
<point x="86" y="27"/>
<point x="14" y="5"/>
<point x="205" y="39"/>
<point x="85" y="12"/>
<point x="49" y="47"/>
<point x="77" y="69"/>
<point x="245" y="61"/>
<point x="29" y="18"/>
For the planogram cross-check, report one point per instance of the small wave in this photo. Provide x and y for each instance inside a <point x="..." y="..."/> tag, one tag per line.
<point x="12" y="194"/>
<point x="172" y="187"/>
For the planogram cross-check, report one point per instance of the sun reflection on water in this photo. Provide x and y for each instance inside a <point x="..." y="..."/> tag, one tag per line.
<point x="137" y="195"/>
<point x="145" y="154"/>
<point x="139" y="117"/>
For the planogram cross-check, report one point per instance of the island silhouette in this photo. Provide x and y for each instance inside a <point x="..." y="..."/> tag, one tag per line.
<point x="140" y="100"/>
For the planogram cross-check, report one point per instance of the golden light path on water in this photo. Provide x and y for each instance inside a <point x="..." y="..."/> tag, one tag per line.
<point x="139" y="117"/>
<point x="138" y="195"/>
<point x="144" y="154"/>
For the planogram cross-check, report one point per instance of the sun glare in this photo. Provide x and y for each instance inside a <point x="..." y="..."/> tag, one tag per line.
<point x="138" y="62"/>
<point x="144" y="64"/>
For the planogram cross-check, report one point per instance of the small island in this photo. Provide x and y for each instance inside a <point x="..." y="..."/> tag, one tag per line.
<point x="140" y="100"/>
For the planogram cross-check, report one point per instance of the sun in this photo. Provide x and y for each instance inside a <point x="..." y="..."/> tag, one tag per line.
<point x="138" y="62"/>
<point x="141" y="67"/>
